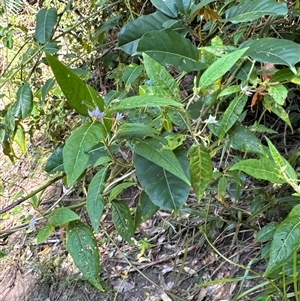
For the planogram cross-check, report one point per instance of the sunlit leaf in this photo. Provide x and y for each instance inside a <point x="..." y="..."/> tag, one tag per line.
<point x="75" y="151"/>
<point x="201" y="169"/>
<point x="62" y="216"/>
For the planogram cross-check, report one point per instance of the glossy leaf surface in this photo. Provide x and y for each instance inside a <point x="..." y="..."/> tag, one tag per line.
<point x="45" y="22"/>
<point x="155" y="151"/>
<point x="24" y="104"/>
<point x="163" y="188"/>
<point x="169" y="47"/>
<point x="253" y="10"/>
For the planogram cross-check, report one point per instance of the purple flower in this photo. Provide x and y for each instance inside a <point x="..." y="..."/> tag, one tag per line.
<point x="32" y="222"/>
<point x="119" y="116"/>
<point x="96" y="114"/>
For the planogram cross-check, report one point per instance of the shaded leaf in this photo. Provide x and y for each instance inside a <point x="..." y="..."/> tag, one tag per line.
<point x="123" y="221"/>
<point x="55" y="163"/>
<point x="266" y="233"/>
<point x="232" y="114"/>
<point x="131" y="33"/>
<point x="244" y="140"/>
<point x="145" y="209"/>
<point x="155" y="151"/>
<point x="163" y="188"/>
<point x="169" y="47"/>
<point x="94" y="200"/>
<point x="167" y="7"/>
<point x="45" y="22"/>
<point x="82" y="246"/>
<point x="76" y="91"/>
<point x="118" y="189"/>
<point x="24" y="104"/>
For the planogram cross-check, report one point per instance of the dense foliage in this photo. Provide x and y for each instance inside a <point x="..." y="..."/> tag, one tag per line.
<point x="182" y="99"/>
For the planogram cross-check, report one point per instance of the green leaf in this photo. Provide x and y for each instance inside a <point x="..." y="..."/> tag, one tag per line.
<point x="274" y="51"/>
<point x="94" y="200"/>
<point x="201" y="169"/>
<point x="24" y="104"/>
<point x="266" y="233"/>
<point x="183" y="6"/>
<point x="82" y="246"/>
<point x="19" y="138"/>
<point x="114" y="193"/>
<point x="219" y="68"/>
<point x="159" y="76"/>
<point x="46" y="88"/>
<point x="253" y="10"/>
<point x="131" y="73"/>
<point x="55" y="162"/>
<point x="232" y="114"/>
<point x="163" y="188"/>
<point x="264" y="169"/>
<point x="122" y="220"/>
<point x="62" y="216"/>
<point x="155" y="151"/>
<point x="272" y="106"/>
<point x="134" y="130"/>
<point x="44" y="233"/>
<point x="2" y="254"/>
<point x="75" y="90"/>
<point x="75" y="151"/>
<point x="279" y="93"/>
<point x="244" y="140"/>
<point x="51" y="47"/>
<point x="131" y="33"/>
<point x="282" y="164"/>
<point x="145" y="209"/>
<point x="45" y="22"/>
<point x="141" y="102"/>
<point x="174" y="140"/>
<point x="170" y="48"/>
<point x="285" y="242"/>
<point x="166" y="6"/>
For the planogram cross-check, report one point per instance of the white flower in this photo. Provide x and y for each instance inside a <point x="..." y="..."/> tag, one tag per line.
<point x="211" y="119"/>
<point x="119" y="116"/>
<point x="246" y="91"/>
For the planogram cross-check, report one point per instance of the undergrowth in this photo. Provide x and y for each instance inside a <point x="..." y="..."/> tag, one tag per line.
<point x="192" y="103"/>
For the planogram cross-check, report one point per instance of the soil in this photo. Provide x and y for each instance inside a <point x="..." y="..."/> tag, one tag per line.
<point x="172" y="267"/>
